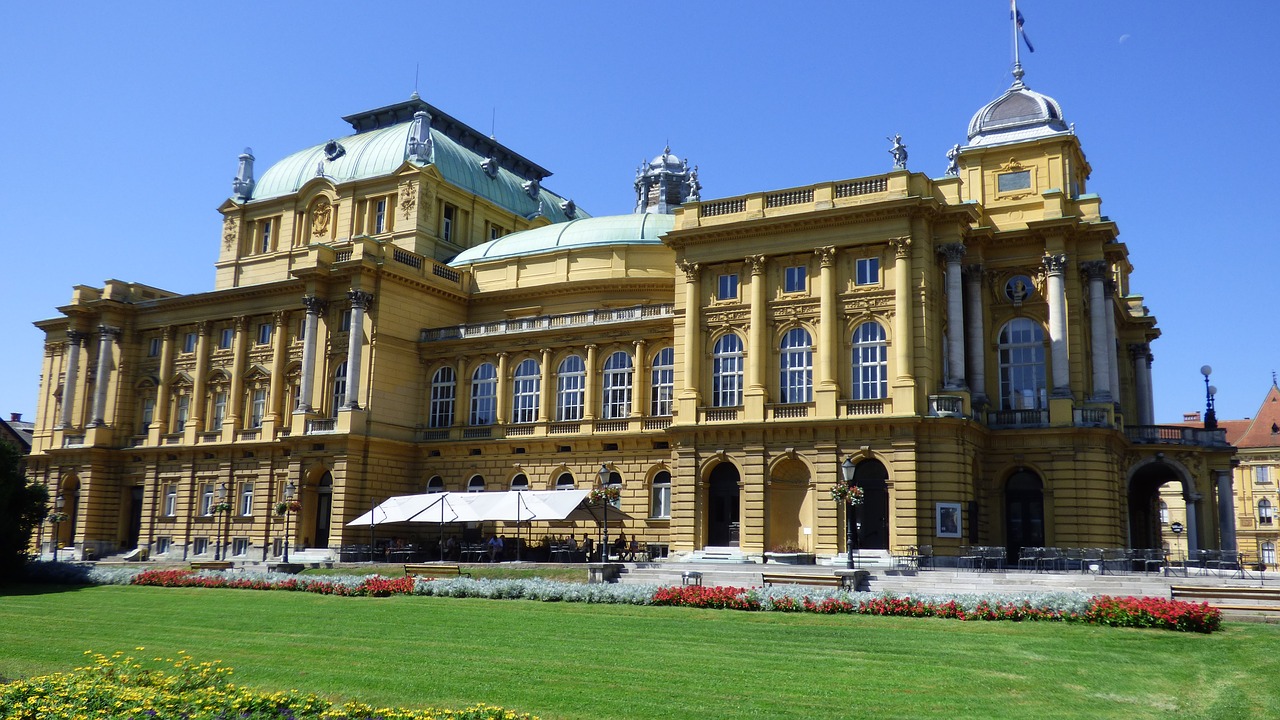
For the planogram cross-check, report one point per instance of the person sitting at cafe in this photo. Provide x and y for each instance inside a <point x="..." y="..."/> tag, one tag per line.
<point x="588" y="547"/>
<point x="495" y="548"/>
<point x="619" y="546"/>
<point x="633" y="549"/>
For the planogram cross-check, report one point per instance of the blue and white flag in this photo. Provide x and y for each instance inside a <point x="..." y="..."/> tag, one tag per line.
<point x="1016" y="15"/>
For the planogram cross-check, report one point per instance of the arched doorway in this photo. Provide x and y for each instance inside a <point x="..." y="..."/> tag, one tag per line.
<point x="324" y="509"/>
<point x="789" y="506"/>
<point x="1148" y="527"/>
<point x="68" y="502"/>
<point x="1023" y="512"/>
<point x="873" y="513"/>
<point x="723" y="506"/>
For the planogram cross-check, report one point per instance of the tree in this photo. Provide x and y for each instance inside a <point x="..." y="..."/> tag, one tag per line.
<point x="23" y="506"/>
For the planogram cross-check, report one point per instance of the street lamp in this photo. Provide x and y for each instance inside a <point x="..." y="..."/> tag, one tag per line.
<point x="289" y="491"/>
<point x="604" y="485"/>
<point x="851" y="517"/>
<point x="57" y="520"/>
<point x="222" y="508"/>
<point x="1210" y="417"/>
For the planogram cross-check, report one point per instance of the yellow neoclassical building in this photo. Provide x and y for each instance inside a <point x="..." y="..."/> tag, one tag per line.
<point x="408" y="309"/>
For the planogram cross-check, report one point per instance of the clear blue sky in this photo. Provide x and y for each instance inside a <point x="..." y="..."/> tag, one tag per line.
<point x="123" y="121"/>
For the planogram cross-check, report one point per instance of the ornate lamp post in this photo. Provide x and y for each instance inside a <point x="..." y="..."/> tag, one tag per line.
<point x="604" y="508"/>
<point x="851" y="496"/>
<point x="290" y="491"/>
<point x="1210" y="417"/>
<point x="57" y="517"/>
<point x="221" y="512"/>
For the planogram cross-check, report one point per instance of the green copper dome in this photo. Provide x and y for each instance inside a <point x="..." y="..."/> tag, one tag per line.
<point x="634" y="229"/>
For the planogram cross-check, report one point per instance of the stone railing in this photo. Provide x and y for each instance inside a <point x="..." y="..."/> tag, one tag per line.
<point x="787" y="411"/>
<point x="1175" y="435"/>
<point x="860" y="408"/>
<point x="322" y="427"/>
<point x="537" y="323"/>
<point x="1091" y="417"/>
<point x="946" y="406"/>
<point x="1018" y="418"/>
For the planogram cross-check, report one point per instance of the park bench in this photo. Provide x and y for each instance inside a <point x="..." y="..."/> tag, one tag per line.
<point x="212" y="565"/>
<point x="1264" y="599"/>
<point x="846" y="582"/>
<point x="434" y="571"/>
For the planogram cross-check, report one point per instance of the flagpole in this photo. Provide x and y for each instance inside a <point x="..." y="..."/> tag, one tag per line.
<point x="1013" y="22"/>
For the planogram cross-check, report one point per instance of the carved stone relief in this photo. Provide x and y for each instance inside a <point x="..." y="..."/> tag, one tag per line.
<point x="321" y="211"/>
<point x="408" y="199"/>
<point x="230" y="231"/>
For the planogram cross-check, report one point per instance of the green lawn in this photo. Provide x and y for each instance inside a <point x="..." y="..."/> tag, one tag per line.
<point x="562" y="660"/>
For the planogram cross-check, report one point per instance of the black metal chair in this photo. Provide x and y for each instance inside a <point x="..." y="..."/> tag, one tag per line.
<point x="1029" y="558"/>
<point x="924" y="557"/>
<point x="1092" y="561"/>
<point x="1050" y="559"/>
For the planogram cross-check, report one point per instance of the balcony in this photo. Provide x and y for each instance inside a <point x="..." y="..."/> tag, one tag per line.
<point x="946" y="406"/>
<point x="1092" y="417"/>
<point x="1175" y="435"/>
<point x="722" y="414"/>
<point x="322" y="427"/>
<point x="863" y="408"/>
<point x="586" y="318"/>
<point x="1003" y="419"/>
<point x="788" y="411"/>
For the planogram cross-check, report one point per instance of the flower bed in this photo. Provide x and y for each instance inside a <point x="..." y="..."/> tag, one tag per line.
<point x="121" y="686"/>
<point x="1059" y="607"/>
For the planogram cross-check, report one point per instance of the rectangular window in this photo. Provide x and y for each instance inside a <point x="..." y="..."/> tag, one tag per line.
<point x="868" y="271"/>
<point x="153" y="348"/>
<point x="240" y="546"/>
<point x="200" y="546"/>
<point x="1262" y="474"/>
<point x="344" y="321"/>
<point x="148" y="412"/>
<point x="380" y="216"/>
<point x="219" y="409"/>
<point x="447" y="218"/>
<point x="660" y="506"/>
<point x="189" y="343"/>
<point x="258" y="407"/>
<point x="264" y="334"/>
<point x="1013" y="181"/>
<point x="206" y="499"/>
<point x="224" y="338"/>
<point x="162" y="545"/>
<point x="663" y="391"/>
<point x="728" y="288"/>
<point x="246" y="499"/>
<point x="265" y="236"/>
<point x="496" y="231"/>
<point x="794" y="280"/>
<point x="180" y="417"/>
<point x="170" y="500"/>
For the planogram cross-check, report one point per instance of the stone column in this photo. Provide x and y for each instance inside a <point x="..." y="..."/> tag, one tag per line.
<point x="639" y="384"/>
<point x="692" y="330"/>
<point x="759" y="339"/>
<point x="591" y="394"/>
<point x="160" y="418"/>
<point x="975" y="334"/>
<point x="240" y="350"/>
<point x="1226" y="511"/>
<point x="1150" y="407"/>
<point x="903" y="333"/>
<point x="1056" y="266"/>
<point x="71" y="378"/>
<point x="279" y="345"/>
<point x="546" y="407"/>
<point x="1096" y="271"/>
<point x="1193" y="530"/>
<point x="315" y="306"/>
<point x="105" y="337"/>
<point x="828" y="322"/>
<point x="196" y="414"/>
<point x="953" y="253"/>
<point x="1113" y="358"/>
<point x="502" y="391"/>
<point x="1142" y="382"/>
<point x="360" y="301"/>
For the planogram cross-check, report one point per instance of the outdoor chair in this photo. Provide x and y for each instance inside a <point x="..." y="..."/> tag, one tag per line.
<point x="1050" y="559"/>
<point x="970" y="557"/>
<point x="993" y="557"/>
<point x="1153" y="557"/>
<point x="924" y="557"/>
<point x="1073" y="559"/>
<point x="1116" y="560"/>
<point x="1092" y="561"/>
<point x="1029" y="558"/>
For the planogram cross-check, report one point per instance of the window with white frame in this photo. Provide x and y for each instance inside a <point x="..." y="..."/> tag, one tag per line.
<point x="617" y="386"/>
<point x="571" y="383"/>
<point x="148" y="411"/>
<point x="870" y="362"/>
<point x="246" y="499"/>
<point x="1022" y="367"/>
<point x="1262" y="474"/>
<point x="1164" y="513"/>
<point x="796" y="363"/>
<point x="344" y="320"/>
<point x="380" y="216"/>
<point x="170" y="500"/>
<point x="793" y="279"/>
<point x="200" y="546"/>
<point x="339" y="387"/>
<point x="219" y="409"/>
<point x="435" y="484"/>
<point x="162" y="545"/>
<point x="264" y="236"/>
<point x="484" y="395"/>
<point x="444" y="389"/>
<point x="526" y="388"/>
<point x="660" y="496"/>
<point x="225" y="337"/>
<point x="153" y="348"/>
<point x="475" y="484"/>
<point x="727" y="288"/>
<point x="663" y="388"/>
<point x="565" y="482"/>
<point x="1268" y="553"/>
<point x="189" y="343"/>
<point x="240" y="546"/>
<point x="1265" y="516"/>
<point x="447" y="219"/>
<point x="206" y="499"/>
<point x="183" y="410"/>
<point x="264" y="334"/>
<point x="867" y="271"/>
<point x="257" y="407"/>
<point x="726" y="372"/>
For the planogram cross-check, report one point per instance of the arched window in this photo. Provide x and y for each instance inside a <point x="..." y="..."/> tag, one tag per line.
<point x="527" y="388"/>
<point x="660" y="496"/>
<point x="520" y="483"/>
<point x="564" y="482"/>
<point x="484" y="395"/>
<point x="663" y="388"/>
<point x="617" y="386"/>
<point x="726" y="372"/>
<point x="1268" y="553"/>
<point x="1264" y="512"/>
<point x="475" y="484"/>
<point x="1022" y="377"/>
<point x="444" y="388"/>
<point x="797" y="366"/>
<point x="435" y="484"/>
<point x="615" y="481"/>
<point x="339" y="387"/>
<point x="870" y="362"/>
<point x="1164" y="513"/>
<point x="571" y="382"/>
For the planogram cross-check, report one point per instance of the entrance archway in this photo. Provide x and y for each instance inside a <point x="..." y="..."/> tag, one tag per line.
<point x="324" y="509"/>
<point x="1023" y="512"/>
<point x="1147" y="486"/>
<point x="873" y="513"/>
<point x="789" y="506"/>
<point x="723" y="506"/>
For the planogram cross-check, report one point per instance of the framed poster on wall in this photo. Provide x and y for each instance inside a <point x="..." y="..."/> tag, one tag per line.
<point x="948" y="520"/>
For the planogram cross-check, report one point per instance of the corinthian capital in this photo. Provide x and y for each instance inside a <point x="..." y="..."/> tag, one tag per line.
<point x="314" y="305"/>
<point x="1094" y="269"/>
<point x="360" y="299"/>
<point x="901" y="247"/>
<point x="690" y="270"/>
<point x="1055" y="264"/>
<point x="952" y="252"/>
<point x="826" y="255"/>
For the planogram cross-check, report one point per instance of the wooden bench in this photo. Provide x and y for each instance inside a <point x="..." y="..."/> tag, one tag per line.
<point x="435" y="571"/>
<point x="1267" y="599"/>
<point x="212" y="565"/>
<point x="842" y="581"/>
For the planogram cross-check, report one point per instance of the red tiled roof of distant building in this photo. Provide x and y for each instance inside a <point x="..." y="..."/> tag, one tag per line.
<point x="1264" y="429"/>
